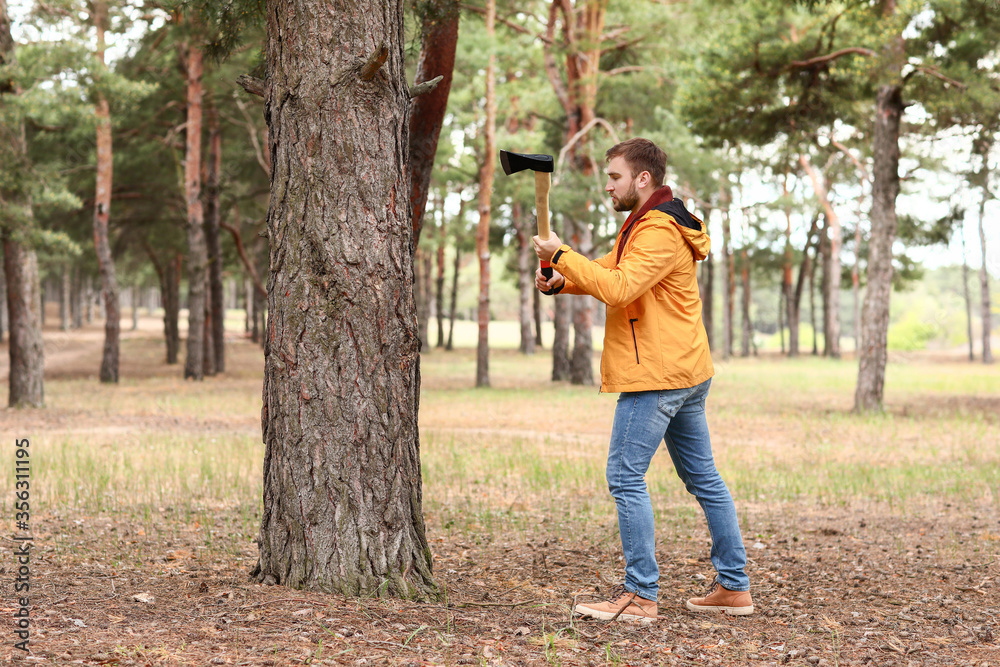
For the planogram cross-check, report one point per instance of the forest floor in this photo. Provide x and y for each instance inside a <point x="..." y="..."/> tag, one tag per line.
<point x="872" y="540"/>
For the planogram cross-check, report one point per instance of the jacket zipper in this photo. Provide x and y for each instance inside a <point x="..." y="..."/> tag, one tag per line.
<point x="634" y="341"/>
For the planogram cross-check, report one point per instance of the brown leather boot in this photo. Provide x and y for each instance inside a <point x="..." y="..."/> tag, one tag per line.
<point x="622" y="604"/>
<point x="721" y="600"/>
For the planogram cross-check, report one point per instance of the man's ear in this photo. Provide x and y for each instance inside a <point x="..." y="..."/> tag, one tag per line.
<point x="644" y="179"/>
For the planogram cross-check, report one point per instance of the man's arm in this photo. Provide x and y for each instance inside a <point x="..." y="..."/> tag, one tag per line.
<point x="651" y="257"/>
<point x="560" y="284"/>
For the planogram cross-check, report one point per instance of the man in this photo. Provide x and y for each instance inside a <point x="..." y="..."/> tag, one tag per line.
<point x="656" y="355"/>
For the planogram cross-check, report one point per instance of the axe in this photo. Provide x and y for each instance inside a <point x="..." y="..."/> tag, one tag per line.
<point x="542" y="165"/>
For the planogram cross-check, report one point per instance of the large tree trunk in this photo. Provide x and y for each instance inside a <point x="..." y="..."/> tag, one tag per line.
<point x="217" y="310"/>
<point x="875" y="318"/>
<point x="342" y="488"/>
<point x="439" y="38"/>
<point x="525" y="278"/>
<point x="197" y="250"/>
<point x="27" y="356"/>
<point x="486" y="172"/>
<point x="102" y="208"/>
<point x="984" y="283"/>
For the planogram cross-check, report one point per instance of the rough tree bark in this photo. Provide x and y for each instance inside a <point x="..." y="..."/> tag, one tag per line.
<point x="102" y="209"/>
<point x="217" y="310"/>
<point x="342" y="487"/>
<point x="875" y="317"/>
<point x="197" y="251"/>
<point x="486" y="173"/>
<point x="439" y="38"/>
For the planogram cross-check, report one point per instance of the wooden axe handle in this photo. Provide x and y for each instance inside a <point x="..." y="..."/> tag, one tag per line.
<point x="543" y="181"/>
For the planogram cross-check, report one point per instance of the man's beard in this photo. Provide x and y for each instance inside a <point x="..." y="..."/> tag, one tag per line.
<point x="628" y="200"/>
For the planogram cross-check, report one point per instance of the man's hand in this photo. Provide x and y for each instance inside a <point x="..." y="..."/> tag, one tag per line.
<point x="545" y="249"/>
<point x="545" y="286"/>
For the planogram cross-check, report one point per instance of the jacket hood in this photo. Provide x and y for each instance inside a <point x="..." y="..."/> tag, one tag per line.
<point x="692" y="229"/>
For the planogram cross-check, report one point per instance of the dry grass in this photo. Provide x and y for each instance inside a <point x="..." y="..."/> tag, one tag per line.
<point x="154" y="486"/>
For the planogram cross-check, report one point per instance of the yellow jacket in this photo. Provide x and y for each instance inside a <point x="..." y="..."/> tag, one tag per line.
<point x="654" y="337"/>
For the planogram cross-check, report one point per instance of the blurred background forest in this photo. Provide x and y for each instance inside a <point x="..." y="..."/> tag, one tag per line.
<point x="765" y="109"/>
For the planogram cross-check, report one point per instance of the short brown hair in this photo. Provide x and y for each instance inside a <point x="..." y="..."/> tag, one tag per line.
<point x="641" y="155"/>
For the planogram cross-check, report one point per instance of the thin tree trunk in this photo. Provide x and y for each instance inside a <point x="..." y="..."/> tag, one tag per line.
<point x="781" y="317"/>
<point x="439" y="39"/>
<point x="746" y="342"/>
<point x="247" y="305"/>
<point x="102" y="208"/>
<point x="208" y="348"/>
<point x="420" y="278"/>
<point x="984" y="284"/>
<point x="967" y="295"/>
<point x="197" y="250"/>
<point x="795" y="305"/>
<point x="65" y="287"/>
<point x="707" y="285"/>
<point x="342" y="482"/>
<point x="786" y="280"/>
<point x="729" y="286"/>
<point x="439" y="282"/>
<point x="856" y="286"/>
<point x="833" y="234"/>
<point x="812" y="301"/>
<point x="485" y="194"/>
<point x="581" y="370"/>
<point x="27" y="356"/>
<point x="76" y="300"/>
<point x="135" y="291"/>
<point x="450" y="345"/>
<point x="3" y="296"/>
<point x="825" y="279"/>
<point x="217" y="311"/>
<point x="875" y="318"/>
<point x="525" y="278"/>
<point x="536" y="309"/>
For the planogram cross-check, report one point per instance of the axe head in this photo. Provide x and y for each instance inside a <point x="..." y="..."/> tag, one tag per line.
<point x="515" y="162"/>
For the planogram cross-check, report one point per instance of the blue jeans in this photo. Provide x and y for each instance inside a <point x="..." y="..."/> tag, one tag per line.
<point x="677" y="417"/>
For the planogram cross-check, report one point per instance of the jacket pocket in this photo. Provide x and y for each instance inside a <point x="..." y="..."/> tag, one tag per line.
<point x="635" y="341"/>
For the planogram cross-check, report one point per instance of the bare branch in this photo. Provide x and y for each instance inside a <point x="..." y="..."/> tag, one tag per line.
<point x="927" y="69"/>
<point x="252" y="85"/>
<point x="241" y="250"/>
<point x="625" y="70"/>
<point x="857" y="163"/>
<point x="821" y="60"/>
<point x="578" y="136"/>
<point x="375" y="62"/>
<point x="510" y="24"/>
<point x="426" y="86"/>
